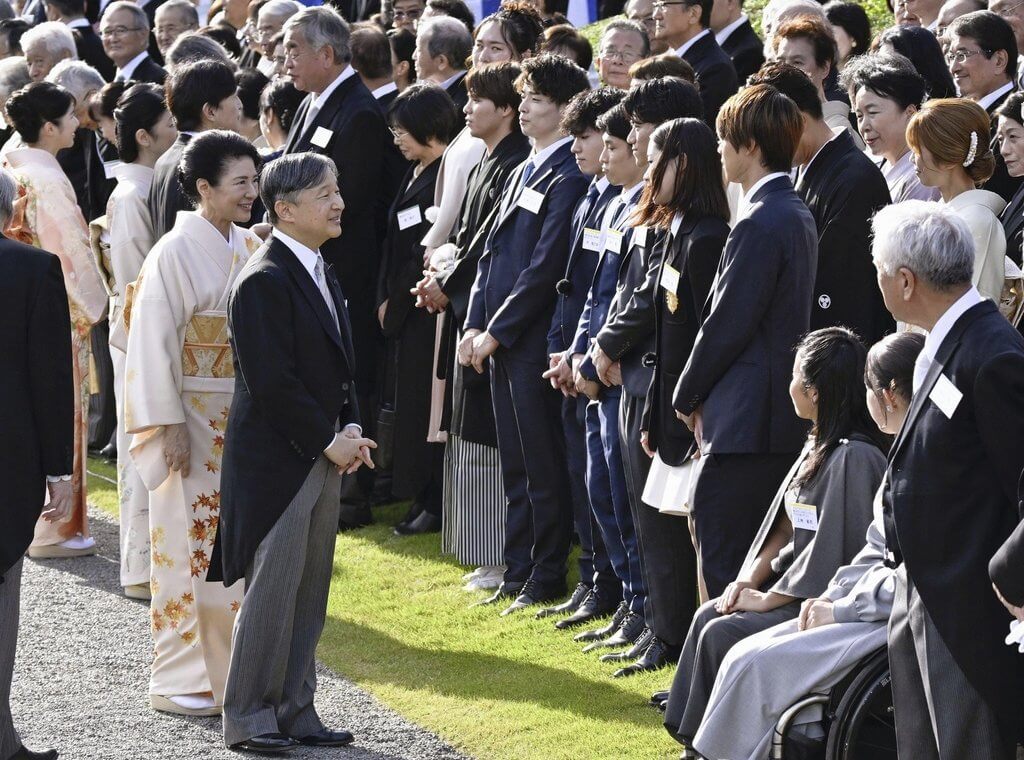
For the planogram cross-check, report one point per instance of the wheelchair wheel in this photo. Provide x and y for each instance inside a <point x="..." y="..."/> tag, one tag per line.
<point x="862" y="726"/>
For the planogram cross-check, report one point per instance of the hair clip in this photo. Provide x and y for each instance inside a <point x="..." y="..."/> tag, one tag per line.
<point x="973" y="151"/>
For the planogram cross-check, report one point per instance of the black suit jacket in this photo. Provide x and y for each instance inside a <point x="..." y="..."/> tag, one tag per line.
<point x="149" y="71"/>
<point x="36" y="392"/>
<point x="745" y="49"/>
<point x="694" y="253"/>
<point x="90" y="50"/>
<point x="843" y="189"/>
<point x="1013" y="224"/>
<point x="1000" y="183"/>
<point x="294" y="385"/>
<point x="460" y="96"/>
<point x="715" y="75"/>
<point x="165" y="196"/>
<point x="742" y="360"/>
<point x="951" y="496"/>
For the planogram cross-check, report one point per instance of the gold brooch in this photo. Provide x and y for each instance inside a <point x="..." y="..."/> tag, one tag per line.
<point x="672" y="301"/>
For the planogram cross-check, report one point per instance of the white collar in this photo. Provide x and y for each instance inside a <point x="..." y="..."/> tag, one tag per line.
<point x="941" y="329"/>
<point x="129" y="68"/>
<point x="628" y="192"/>
<point x="306" y="256"/>
<point x="677" y="222"/>
<point x="538" y="159"/>
<point x="602" y="184"/>
<point x="452" y="79"/>
<point x="383" y="90"/>
<point x="77" y="23"/>
<point x="681" y="51"/>
<point x="934" y="26"/>
<point x="723" y="35"/>
<point x="319" y="100"/>
<point x="749" y="195"/>
<point x="835" y="134"/>
<point x="993" y="96"/>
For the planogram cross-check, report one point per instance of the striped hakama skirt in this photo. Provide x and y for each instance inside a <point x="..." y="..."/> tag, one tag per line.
<point x="474" y="503"/>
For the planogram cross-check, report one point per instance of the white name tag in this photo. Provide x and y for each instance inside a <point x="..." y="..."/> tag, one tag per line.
<point x="613" y="241"/>
<point x="946" y="396"/>
<point x="803" y="516"/>
<point x="531" y="200"/>
<point x="670" y="278"/>
<point x="321" y="137"/>
<point x="640" y="235"/>
<point x="409" y="217"/>
<point x="592" y="240"/>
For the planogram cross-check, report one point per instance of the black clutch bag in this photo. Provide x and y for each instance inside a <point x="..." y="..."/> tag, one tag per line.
<point x="385" y="438"/>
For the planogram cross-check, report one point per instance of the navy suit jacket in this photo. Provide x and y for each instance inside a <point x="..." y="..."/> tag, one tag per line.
<point x="715" y="74"/>
<point x="526" y="254"/>
<point x="760" y="306"/>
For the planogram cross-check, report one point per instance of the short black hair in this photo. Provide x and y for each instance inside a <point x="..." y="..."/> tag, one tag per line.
<point x="284" y="98"/>
<point x="852" y="19"/>
<point x="425" y="111"/>
<point x="13" y="28"/>
<point x="567" y="37"/>
<point x="793" y="83"/>
<point x="1013" y="107"/>
<point x="206" y="155"/>
<point x="992" y="33"/>
<point x="658" y="100"/>
<point x="496" y="82"/>
<point x="586" y="108"/>
<point x="371" y="52"/>
<point x="224" y="35"/>
<point x="890" y="76"/>
<point x="68" y="8"/>
<point x="250" y="85"/>
<point x="194" y="85"/>
<point x="457" y="9"/>
<point x="553" y="76"/>
<point x="922" y="49"/>
<point x="520" y="24"/>
<point x="705" y="10"/>
<point x="615" y="122"/>
<point x="104" y="102"/>
<point x="140" y="107"/>
<point x="37" y="104"/>
<point x="403" y="43"/>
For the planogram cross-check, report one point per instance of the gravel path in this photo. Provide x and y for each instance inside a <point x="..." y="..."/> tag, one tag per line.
<point x="82" y="673"/>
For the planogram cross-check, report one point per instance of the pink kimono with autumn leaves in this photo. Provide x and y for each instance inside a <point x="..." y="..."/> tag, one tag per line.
<point x="178" y="370"/>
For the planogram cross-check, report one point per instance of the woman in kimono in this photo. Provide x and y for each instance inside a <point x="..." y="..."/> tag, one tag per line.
<point x="766" y="673"/>
<point x="47" y="216"/>
<point x="144" y="130"/>
<point x="886" y="92"/>
<point x="815" y="524"/>
<point x="423" y="120"/>
<point x="950" y="141"/>
<point x="179" y="381"/>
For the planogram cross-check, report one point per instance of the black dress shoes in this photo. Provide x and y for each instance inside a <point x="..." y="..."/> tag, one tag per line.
<point x="608" y="630"/>
<point x="658" y="699"/>
<point x="658" y="655"/>
<point x="267" y="744"/>
<point x="327" y="738"/>
<point x="423" y="523"/>
<point x="629" y="631"/>
<point x="354" y="515"/>
<point x="639" y="647"/>
<point x="24" y="753"/>
<point x="596" y="604"/>
<point x="109" y="452"/>
<point x="531" y="594"/>
<point x="569" y="605"/>
<point x="505" y="592"/>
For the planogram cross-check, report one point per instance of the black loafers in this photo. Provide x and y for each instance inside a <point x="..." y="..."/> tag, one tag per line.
<point x="24" y="753"/>
<point x="327" y="738"/>
<point x="267" y="744"/>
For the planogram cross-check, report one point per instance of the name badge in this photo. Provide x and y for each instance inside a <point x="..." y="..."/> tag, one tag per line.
<point x="670" y="278"/>
<point x="640" y="235"/>
<point x="946" y="396"/>
<point x="804" y="516"/>
<point x="321" y="137"/>
<point x="409" y="217"/>
<point x="531" y="200"/>
<point x="592" y="240"/>
<point x="613" y="241"/>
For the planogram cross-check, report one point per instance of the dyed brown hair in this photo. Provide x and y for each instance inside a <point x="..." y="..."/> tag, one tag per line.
<point x="944" y="127"/>
<point x="762" y="116"/>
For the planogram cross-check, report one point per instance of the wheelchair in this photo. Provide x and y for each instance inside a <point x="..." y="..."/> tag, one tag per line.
<point x="857" y="716"/>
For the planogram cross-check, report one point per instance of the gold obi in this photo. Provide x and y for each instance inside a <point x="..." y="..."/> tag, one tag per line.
<point x="206" y="352"/>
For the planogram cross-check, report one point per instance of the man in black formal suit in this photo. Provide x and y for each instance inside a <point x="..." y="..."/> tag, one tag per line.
<point x="685" y="27"/>
<point x="87" y="42"/>
<point x="173" y="19"/>
<point x="292" y="430"/>
<point x="371" y="58"/>
<point x="442" y="46"/>
<point x="201" y="96"/>
<point x="843" y="189"/>
<point x="951" y="498"/>
<point x="124" y="30"/>
<point x="737" y="37"/>
<point x="37" y="416"/>
<point x="733" y="393"/>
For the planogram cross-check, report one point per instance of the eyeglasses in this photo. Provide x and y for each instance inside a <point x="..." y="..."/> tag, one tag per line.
<point x="119" y="31"/>
<point x="625" y="56"/>
<point x="398" y="134"/>
<point x="1009" y="12"/>
<point x="961" y="56"/>
<point x="660" y="5"/>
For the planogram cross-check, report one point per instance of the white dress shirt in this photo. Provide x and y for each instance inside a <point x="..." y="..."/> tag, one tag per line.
<point x="322" y="97"/>
<point x="748" y="197"/>
<point x="993" y="96"/>
<point x="727" y="30"/>
<point x="681" y="50"/>
<point x="939" y="332"/>
<point x="540" y="158"/>
<point x="383" y="90"/>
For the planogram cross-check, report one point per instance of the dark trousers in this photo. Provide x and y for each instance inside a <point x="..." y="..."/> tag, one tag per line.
<point x="10" y="594"/>
<point x="594" y="564"/>
<point x="102" y="407"/>
<point x="667" y="558"/>
<point x="606" y="482"/>
<point x="531" y="448"/>
<point x="730" y="500"/>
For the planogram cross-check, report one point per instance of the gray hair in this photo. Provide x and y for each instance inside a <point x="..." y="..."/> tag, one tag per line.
<point x="323" y="26"/>
<point x="13" y="76"/>
<point x="286" y="177"/>
<point x="126" y="5"/>
<point x="449" y="37"/>
<point x="282" y="9"/>
<point x="625" y="25"/>
<point x="55" y="36"/>
<point x="931" y="241"/>
<point x="77" y="77"/>
<point x="778" y="11"/>
<point x="191" y="47"/>
<point x="8" y="192"/>
<point x="185" y="8"/>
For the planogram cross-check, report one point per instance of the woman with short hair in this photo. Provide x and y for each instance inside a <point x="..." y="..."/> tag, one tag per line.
<point x="1011" y="146"/>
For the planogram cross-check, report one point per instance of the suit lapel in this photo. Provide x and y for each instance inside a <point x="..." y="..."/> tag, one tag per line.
<point x="309" y="290"/>
<point x="300" y="119"/>
<point x="535" y="181"/>
<point x="342" y="310"/>
<point x="303" y="137"/>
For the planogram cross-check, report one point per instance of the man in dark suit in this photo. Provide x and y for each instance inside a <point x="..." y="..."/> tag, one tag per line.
<point x="951" y="498"/>
<point x="734" y="391"/>
<point x="685" y="27"/>
<point x="36" y="415"/>
<point x="124" y="30"/>
<point x="172" y="19"/>
<point x="201" y="96"/>
<point x="510" y="313"/>
<point x="87" y="42"/>
<point x="843" y="189"/>
<point x="737" y="37"/>
<point x="292" y="429"/>
<point x="371" y="58"/>
<point x="442" y="46"/>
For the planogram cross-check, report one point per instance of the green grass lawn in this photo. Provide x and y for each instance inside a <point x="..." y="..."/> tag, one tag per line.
<point x="400" y="626"/>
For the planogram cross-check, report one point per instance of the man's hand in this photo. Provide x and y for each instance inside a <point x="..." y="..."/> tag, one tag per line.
<point x="559" y="374"/>
<point x="815" y="613"/>
<point x="752" y="600"/>
<point x="61" y="500"/>
<point x="1017" y="612"/>
<point x="589" y="388"/>
<point x="382" y="310"/>
<point x="614" y="374"/>
<point x="695" y="422"/>
<point x="431" y="293"/>
<point x="466" y="347"/>
<point x="353" y="432"/>
<point x="177" y="448"/>
<point x="727" y="601"/>
<point x="602" y="363"/>
<point x="483" y="346"/>
<point x="349" y="451"/>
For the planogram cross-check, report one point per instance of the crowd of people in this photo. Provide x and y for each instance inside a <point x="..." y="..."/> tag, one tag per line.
<point x="735" y="314"/>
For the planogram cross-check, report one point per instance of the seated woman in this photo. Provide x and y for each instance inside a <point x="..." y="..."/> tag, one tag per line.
<point x="767" y="672"/>
<point x="815" y="524"/>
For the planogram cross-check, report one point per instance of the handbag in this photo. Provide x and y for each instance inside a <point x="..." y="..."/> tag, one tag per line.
<point x="385" y="437"/>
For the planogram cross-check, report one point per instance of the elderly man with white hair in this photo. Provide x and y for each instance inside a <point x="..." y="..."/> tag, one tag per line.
<point x="173" y="19"/>
<point x="270" y="22"/>
<point x="124" y="30"/>
<point x="951" y="497"/>
<point x="442" y="46"/>
<point x="45" y="46"/>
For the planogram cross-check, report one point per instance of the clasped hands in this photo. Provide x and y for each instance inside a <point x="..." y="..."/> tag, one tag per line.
<point x="476" y="348"/>
<point x="350" y="450"/>
<point x="564" y="373"/>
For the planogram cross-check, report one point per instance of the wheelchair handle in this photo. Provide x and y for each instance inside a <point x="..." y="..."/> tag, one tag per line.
<point x="779" y="737"/>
